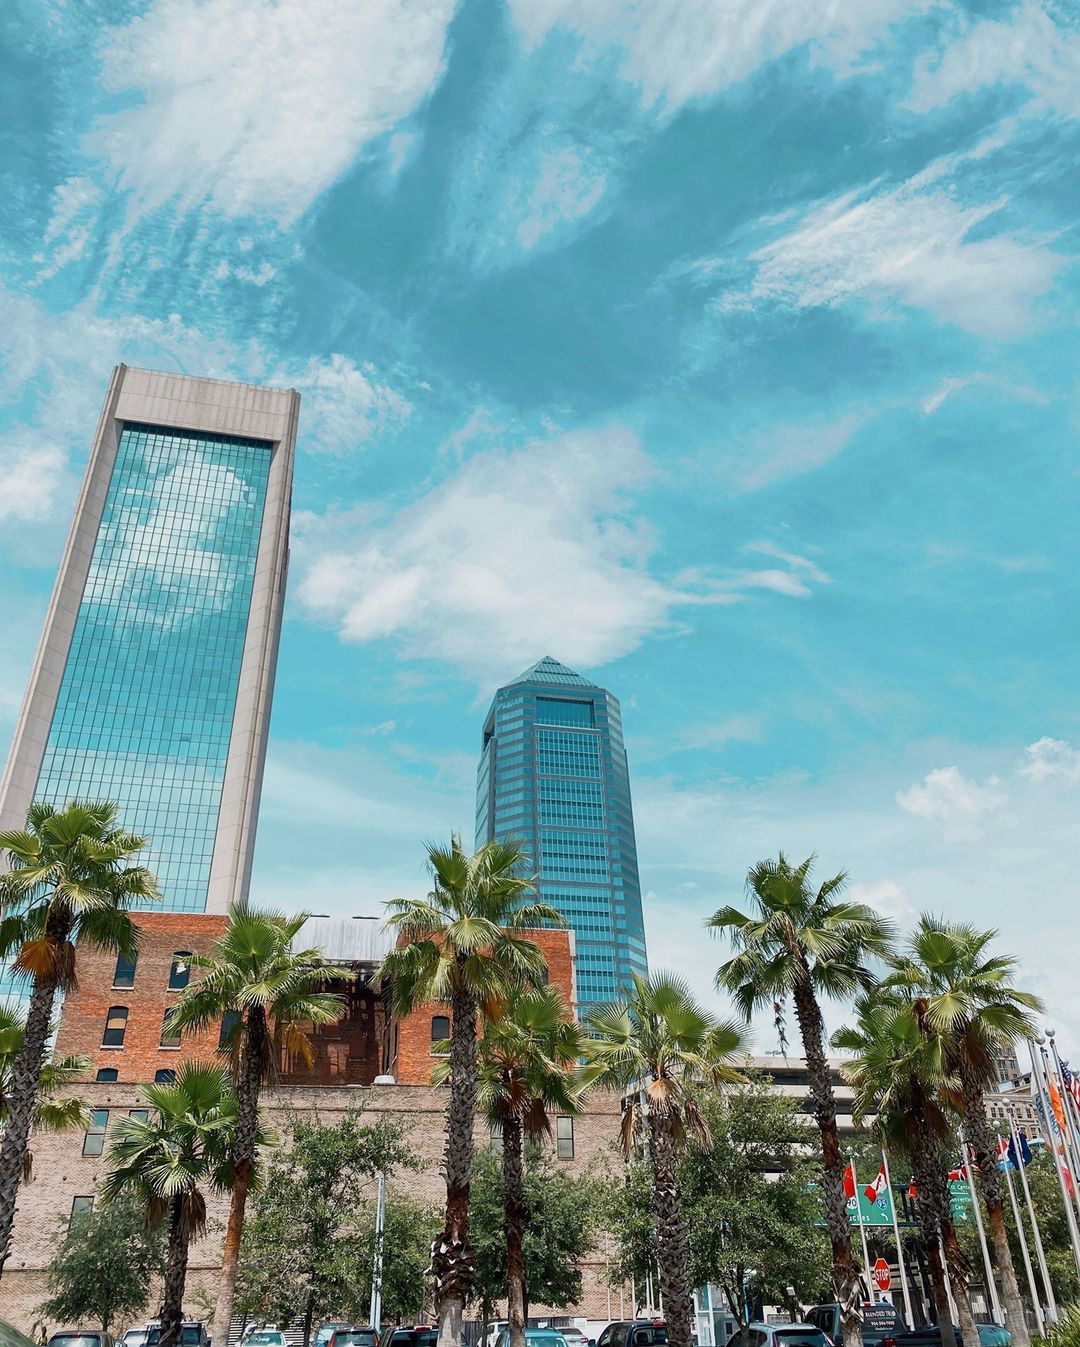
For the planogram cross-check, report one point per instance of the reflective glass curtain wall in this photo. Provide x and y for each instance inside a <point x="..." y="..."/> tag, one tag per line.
<point x="553" y="775"/>
<point x="145" y="709"/>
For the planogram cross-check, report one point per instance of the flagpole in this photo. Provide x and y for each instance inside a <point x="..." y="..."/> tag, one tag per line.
<point x="1051" y="1301"/>
<point x="991" y="1284"/>
<point x="896" y="1235"/>
<point x="1043" y="1095"/>
<point x="948" y="1278"/>
<point x="1062" y="1123"/>
<point x="862" y="1232"/>
<point x="1070" y="1139"/>
<point x="1022" y="1237"/>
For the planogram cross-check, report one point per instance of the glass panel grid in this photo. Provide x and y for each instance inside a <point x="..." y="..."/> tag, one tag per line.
<point x="145" y="709"/>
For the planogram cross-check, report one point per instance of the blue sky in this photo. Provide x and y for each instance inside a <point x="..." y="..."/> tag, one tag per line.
<point x="724" y="349"/>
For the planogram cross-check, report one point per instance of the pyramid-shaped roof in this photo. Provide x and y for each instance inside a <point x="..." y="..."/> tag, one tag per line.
<point x="549" y="670"/>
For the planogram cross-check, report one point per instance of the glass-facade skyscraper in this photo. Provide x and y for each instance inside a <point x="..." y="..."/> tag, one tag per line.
<point x="154" y="675"/>
<point x="553" y="776"/>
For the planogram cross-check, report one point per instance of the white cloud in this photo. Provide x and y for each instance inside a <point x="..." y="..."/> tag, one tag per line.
<point x="678" y="51"/>
<point x="517" y="552"/>
<point x="1051" y="760"/>
<point x="887" y="896"/>
<point x="788" y="450"/>
<point x="949" y="796"/>
<point x="343" y="405"/>
<point x="257" y="106"/>
<point x="910" y="244"/>
<point x="1027" y="48"/>
<point x="566" y="186"/>
<point x="70" y="227"/>
<point x="30" y="472"/>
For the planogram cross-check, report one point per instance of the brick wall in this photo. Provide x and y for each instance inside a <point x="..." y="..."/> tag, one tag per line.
<point x="408" y="1056"/>
<point x="63" y="1173"/>
<point x="82" y="1020"/>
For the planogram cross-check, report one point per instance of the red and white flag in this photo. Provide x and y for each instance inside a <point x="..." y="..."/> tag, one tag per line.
<point x="875" y="1192"/>
<point x="849" y="1181"/>
<point x="958" y="1174"/>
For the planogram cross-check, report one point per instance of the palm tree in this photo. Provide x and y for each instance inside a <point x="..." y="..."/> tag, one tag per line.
<point x="459" y="946"/>
<point x="900" y="1070"/>
<point x="271" y="992"/>
<point x="169" y="1160"/>
<point x="527" y="1071"/>
<point x="70" y="878"/>
<point x="806" y="943"/>
<point x="969" y="999"/>
<point x="50" y="1114"/>
<point x="658" y="1045"/>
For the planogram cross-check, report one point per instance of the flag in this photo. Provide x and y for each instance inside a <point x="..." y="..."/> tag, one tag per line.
<point x="1071" y="1083"/>
<point x="913" y="1190"/>
<point x="1057" y="1106"/>
<point x="1025" y="1150"/>
<point x="849" y="1181"/>
<point x="1004" y="1154"/>
<point x="877" y="1191"/>
<point x="958" y="1173"/>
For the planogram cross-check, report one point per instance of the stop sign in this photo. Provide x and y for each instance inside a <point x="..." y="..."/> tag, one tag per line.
<point x="882" y="1275"/>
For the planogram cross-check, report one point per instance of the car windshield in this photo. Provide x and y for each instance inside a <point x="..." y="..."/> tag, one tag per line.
<point x="649" y="1335"/>
<point x="265" y="1338"/>
<point x="414" y="1337"/>
<point x="801" y="1337"/>
<point x="190" y="1336"/>
<point x="355" y="1337"/>
<point x="75" y="1340"/>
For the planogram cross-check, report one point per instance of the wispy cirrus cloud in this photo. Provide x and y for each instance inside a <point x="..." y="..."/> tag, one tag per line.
<point x="255" y="107"/>
<point x="1035" y="47"/>
<point x="916" y="245"/>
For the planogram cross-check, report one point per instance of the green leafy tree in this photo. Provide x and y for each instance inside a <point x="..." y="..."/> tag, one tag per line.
<point x="303" y="1252"/>
<point x="1053" y="1226"/>
<point x="563" y="1230"/>
<point x="67" y="877"/>
<point x="169" y="1161"/>
<point x="464" y="946"/>
<point x="660" y="1044"/>
<point x="51" y="1113"/>
<point x="968" y="997"/>
<point x="272" y="993"/>
<point x="102" y="1267"/>
<point x="805" y="943"/>
<point x="900" y="1069"/>
<point x="528" y="1070"/>
<point x="752" y="1197"/>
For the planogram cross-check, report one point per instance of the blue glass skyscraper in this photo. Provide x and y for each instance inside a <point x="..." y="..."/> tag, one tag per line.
<point x="553" y="776"/>
<point x="153" y="679"/>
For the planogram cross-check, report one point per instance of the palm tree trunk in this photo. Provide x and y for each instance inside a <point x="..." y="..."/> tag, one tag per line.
<point x="25" y="1081"/>
<point x="981" y="1144"/>
<point x="176" y="1261"/>
<point x="248" y="1083"/>
<point x="845" y="1278"/>
<point x="931" y="1195"/>
<point x="672" y="1245"/>
<point x="515" y="1219"/>
<point x="451" y="1253"/>
<point x="960" y="1276"/>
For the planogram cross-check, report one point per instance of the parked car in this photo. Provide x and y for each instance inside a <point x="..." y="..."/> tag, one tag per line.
<point x="880" y="1320"/>
<point x="419" y="1335"/>
<point x="990" y="1335"/>
<point x="264" y="1337"/>
<point x="326" y="1332"/>
<point x="353" y="1336"/>
<point x="573" y="1335"/>
<point x="82" y="1337"/>
<point x="534" y="1337"/>
<point x="192" y="1333"/>
<point x="633" y="1333"/>
<point x="782" y="1335"/>
<point x="135" y="1337"/>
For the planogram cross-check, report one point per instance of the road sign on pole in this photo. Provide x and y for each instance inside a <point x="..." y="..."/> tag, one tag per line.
<point x="882" y="1275"/>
